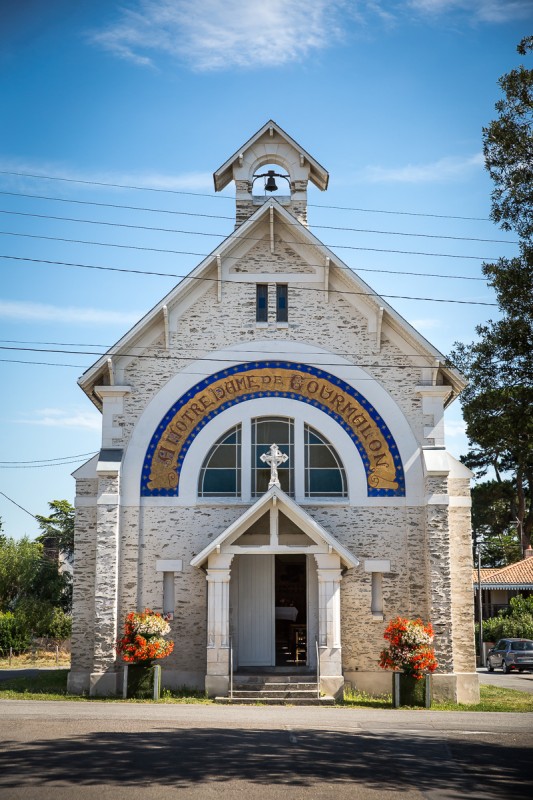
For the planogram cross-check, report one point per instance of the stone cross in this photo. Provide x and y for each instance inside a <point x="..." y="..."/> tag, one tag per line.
<point x="274" y="458"/>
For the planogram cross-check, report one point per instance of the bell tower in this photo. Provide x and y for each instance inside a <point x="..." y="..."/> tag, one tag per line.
<point x="271" y="164"/>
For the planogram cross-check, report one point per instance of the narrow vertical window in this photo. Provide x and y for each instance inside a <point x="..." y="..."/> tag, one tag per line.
<point x="282" y="308"/>
<point x="261" y="302"/>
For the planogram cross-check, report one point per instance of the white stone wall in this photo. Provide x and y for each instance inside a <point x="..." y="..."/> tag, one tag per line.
<point x="428" y="546"/>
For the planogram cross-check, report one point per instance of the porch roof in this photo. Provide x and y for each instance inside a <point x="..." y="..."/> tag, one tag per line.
<point x="276" y="498"/>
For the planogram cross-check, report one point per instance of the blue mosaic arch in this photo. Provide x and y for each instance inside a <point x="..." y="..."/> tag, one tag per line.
<point x="202" y="386"/>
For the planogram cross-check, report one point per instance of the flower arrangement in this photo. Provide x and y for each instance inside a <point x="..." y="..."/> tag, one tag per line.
<point x="410" y="648"/>
<point x="143" y="637"/>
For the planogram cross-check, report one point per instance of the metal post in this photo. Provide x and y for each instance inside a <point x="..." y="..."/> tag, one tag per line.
<point x="396" y="689"/>
<point x="57" y="655"/>
<point x="125" y="683"/>
<point x="10" y="655"/>
<point x="230" y="668"/>
<point x="157" y="682"/>
<point x="479" y="605"/>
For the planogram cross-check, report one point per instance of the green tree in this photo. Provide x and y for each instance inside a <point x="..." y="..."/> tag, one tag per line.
<point x="493" y="523"/>
<point x="58" y="527"/>
<point x="498" y="401"/>
<point x="508" y="150"/>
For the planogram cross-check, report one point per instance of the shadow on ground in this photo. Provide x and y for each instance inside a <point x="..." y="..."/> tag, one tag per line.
<point x="182" y="758"/>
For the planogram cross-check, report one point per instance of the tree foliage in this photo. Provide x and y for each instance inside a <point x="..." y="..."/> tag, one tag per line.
<point x="494" y="524"/>
<point x="32" y="587"/>
<point x="516" y="621"/>
<point x="498" y="401"/>
<point x="58" y="527"/>
<point x="508" y="150"/>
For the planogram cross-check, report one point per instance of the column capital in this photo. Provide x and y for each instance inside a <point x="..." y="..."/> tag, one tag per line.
<point x="327" y="575"/>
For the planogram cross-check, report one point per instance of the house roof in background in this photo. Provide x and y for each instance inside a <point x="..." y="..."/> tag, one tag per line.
<point x="513" y="576"/>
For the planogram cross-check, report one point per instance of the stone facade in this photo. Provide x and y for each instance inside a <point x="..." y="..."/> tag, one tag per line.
<point x="422" y="535"/>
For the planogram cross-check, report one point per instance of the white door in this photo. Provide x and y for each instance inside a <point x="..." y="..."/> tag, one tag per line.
<point x="256" y="611"/>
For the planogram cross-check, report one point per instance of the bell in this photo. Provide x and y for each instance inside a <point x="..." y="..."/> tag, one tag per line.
<point x="270" y="185"/>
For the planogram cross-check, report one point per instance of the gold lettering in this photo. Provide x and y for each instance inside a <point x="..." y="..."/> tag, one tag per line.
<point x="337" y="401"/>
<point x="375" y="445"/>
<point x="324" y="394"/>
<point x="197" y="410"/>
<point x="314" y="385"/>
<point x="296" y="382"/>
<point x="204" y="400"/>
<point x="379" y="459"/>
<point x="359" y="420"/>
<point x="165" y="455"/>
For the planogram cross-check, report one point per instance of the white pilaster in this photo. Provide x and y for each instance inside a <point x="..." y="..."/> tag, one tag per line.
<point x="218" y="643"/>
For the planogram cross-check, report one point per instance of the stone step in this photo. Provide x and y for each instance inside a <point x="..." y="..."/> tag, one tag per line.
<point x="280" y="693"/>
<point x="276" y="701"/>
<point x="274" y="678"/>
<point x="274" y="686"/>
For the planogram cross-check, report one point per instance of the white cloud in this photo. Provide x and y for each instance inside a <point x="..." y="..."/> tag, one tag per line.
<point x="425" y="324"/>
<point x="65" y="418"/>
<point x="187" y="181"/>
<point x="445" y="169"/>
<point x="221" y="34"/>
<point x="40" y="312"/>
<point x="454" y="428"/>
<point x="481" y="10"/>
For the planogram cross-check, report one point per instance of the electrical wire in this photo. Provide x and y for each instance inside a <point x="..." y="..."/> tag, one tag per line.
<point x="168" y="357"/>
<point x="224" y="280"/>
<point x="18" y="505"/>
<point x="217" y="216"/>
<point x="185" y="252"/>
<point x="181" y="349"/>
<point x="227" y="197"/>
<point x="49" y="460"/>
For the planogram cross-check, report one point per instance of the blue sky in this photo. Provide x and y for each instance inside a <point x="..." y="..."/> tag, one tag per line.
<point x="389" y="96"/>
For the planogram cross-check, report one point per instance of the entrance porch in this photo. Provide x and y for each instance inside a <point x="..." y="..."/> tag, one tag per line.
<point x="274" y="596"/>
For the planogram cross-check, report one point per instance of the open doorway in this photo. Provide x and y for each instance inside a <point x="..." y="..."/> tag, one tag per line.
<point x="291" y="610"/>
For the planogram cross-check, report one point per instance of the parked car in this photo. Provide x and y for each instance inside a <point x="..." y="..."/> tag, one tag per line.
<point x="511" y="654"/>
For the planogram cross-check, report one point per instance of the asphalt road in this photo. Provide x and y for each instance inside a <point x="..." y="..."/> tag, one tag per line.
<point x="81" y="751"/>
<point x="523" y="681"/>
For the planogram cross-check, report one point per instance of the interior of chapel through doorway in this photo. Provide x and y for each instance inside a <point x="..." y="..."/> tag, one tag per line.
<point x="273" y="610"/>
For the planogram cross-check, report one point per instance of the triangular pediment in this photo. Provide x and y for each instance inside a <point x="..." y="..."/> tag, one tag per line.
<point x="275" y="504"/>
<point x="267" y="143"/>
<point x="151" y="328"/>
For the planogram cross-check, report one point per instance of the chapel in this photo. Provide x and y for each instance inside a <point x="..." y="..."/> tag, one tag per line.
<point x="273" y="473"/>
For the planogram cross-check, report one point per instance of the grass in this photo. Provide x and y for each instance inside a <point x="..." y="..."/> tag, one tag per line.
<point x="35" y="659"/>
<point x="493" y="698"/>
<point x="52" y="685"/>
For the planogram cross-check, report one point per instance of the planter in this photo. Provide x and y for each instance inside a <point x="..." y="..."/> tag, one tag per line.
<point x="407" y="691"/>
<point x="142" y="681"/>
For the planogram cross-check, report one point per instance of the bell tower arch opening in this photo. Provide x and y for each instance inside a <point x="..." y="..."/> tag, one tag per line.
<point x="271" y="150"/>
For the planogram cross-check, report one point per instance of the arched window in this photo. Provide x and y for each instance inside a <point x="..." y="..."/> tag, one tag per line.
<point x="267" y="431"/>
<point x="220" y="475"/>
<point x="324" y="473"/>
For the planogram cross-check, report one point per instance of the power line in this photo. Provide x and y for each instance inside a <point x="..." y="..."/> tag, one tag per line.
<point x="175" y="349"/>
<point x="18" y="506"/>
<point x="42" y="363"/>
<point x="226" y="197"/>
<point x="49" y="460"/>
<point x="200" y="374"/>
<point x="165" y="357"/>
<point x="40" y="466"/>
<point x="224" y="280"/>
<point x="215" y="216"/>
<point x="199" y="233"/>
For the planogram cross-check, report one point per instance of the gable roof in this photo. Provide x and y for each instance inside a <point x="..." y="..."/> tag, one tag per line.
<point x="224" y="174"/>
<point x="513" y="576"/>
<point x="350" y="279"/>
<point x="300" y="517"/>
